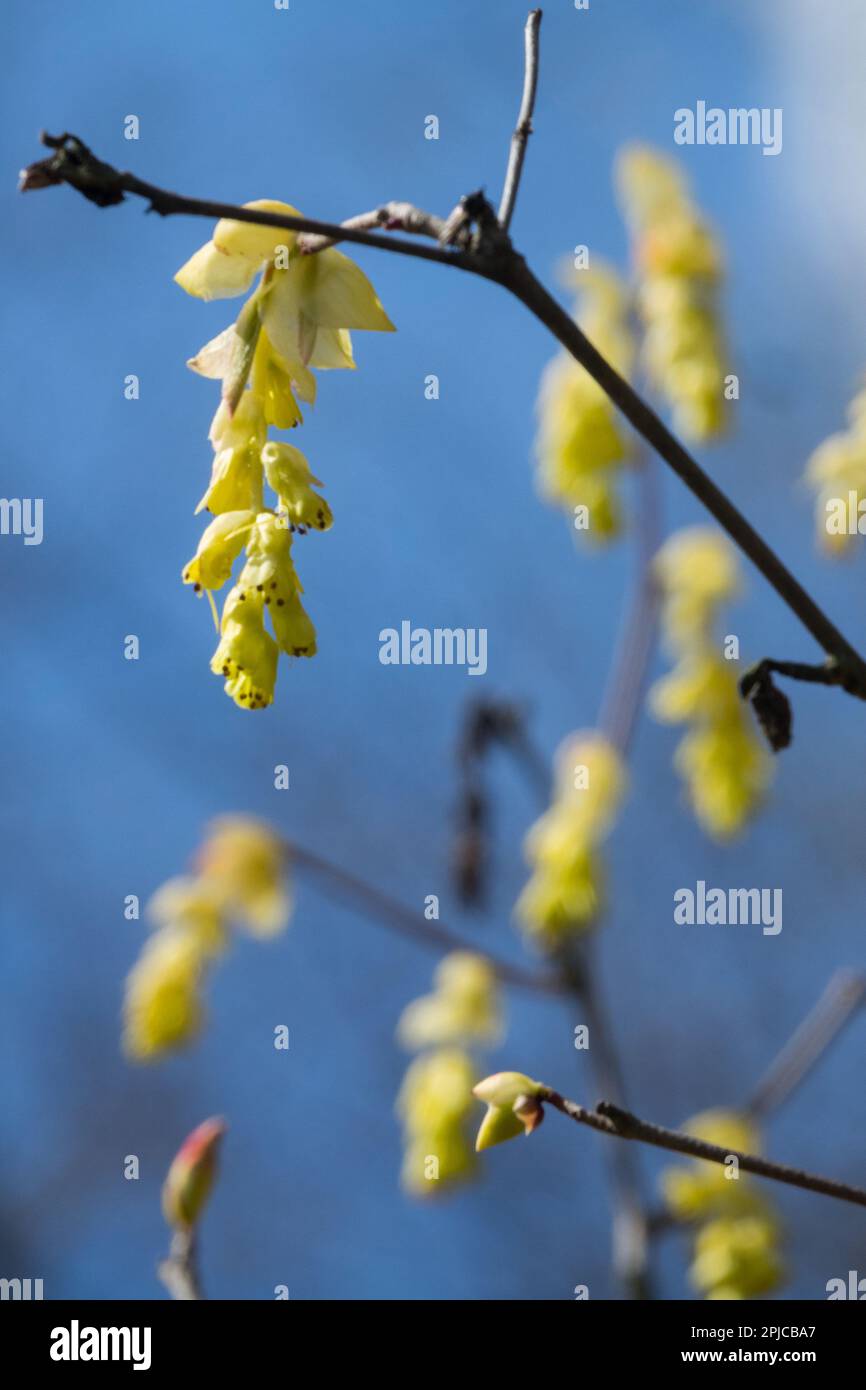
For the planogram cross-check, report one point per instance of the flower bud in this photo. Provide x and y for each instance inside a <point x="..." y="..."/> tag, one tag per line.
<point x="191" y="1175"/>
<point x="514" y="1106"/>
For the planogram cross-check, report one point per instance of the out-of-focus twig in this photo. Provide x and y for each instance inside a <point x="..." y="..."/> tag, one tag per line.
<point x="179" y="1270"/>
<point x="384" y="910"/>
<point x="843" y="997"/>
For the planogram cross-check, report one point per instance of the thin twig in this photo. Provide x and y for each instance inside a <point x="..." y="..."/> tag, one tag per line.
<point x="630" y="1219"/>
<point x="621" y="1124"/>
<point x="406" y="922"/>
<point x="523" y="129"/>
<point x="74" y="163"/>
<point x="179" y="1271"/>
<point x="844" y="996"/>
<point x="392" y="216"/>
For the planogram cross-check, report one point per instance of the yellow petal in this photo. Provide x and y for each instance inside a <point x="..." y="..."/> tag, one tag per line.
<point x="212" y="274"/>
<point x="254" y="243"/>
<point x="335" y="293"/>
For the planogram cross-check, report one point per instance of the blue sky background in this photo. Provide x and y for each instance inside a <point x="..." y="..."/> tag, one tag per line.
<point x="110" y="768"/>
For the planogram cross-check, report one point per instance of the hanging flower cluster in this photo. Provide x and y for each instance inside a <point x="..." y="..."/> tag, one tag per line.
<point x="723" y="762"/>
<point x="240" y="877"/>
<point x="297" y="318"/>
<point x="735" y="1230"/>
<point x="566" y="890"/>
<point x="837" y="473"/>
<point x="436" y="1095"/>
<point x="678" y="264"/>
<point x="582" y="441"/>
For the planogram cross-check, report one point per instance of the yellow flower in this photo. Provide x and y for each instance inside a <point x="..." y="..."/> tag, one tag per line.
<point x="308" y="302"/>
<point x="192" y="906"/>
<point x="581" y="441"/>
<point x="565" y="891"/>
<point x="246" y="654"/>
<point x="513" y="1107"/>
<point x="433" y="1104"/>
<point x="162" y="1007"/>
<point x="218" y="548"/>
<point x="697" y="571"/>
<point x="288" y="473"/>
<point x="227" y="264"/>
<point x="837" y="473"/>
<point x="463" y="1008"/>
<point x="737" y="1258"/>
<point x="274" y="386"/>
<point x="293" y="628"/>
<point x="736" y="1243"/>
<point x="269" y="572"/>
<point x="701" y="1188"/>
<point x="243" y="863"/>
<point x="722" y="760"/>
<point x="679" y="269"/>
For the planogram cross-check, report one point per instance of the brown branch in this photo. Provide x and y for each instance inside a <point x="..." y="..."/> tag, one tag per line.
<point x="75" y="164"/>
<point x="523" y="129"/>
<point x="621" y="1124"/>
<point x="405" y="921"/>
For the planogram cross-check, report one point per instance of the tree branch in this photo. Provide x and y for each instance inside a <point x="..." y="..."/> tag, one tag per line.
<point x="74" y="163"/>
<point x="844" y="996"/>
<point x="523" y="129"/>
<point x="387" y="912"/>
<point x="621" y="1124"/>
<point x="392" y="216"/>
<point x="490" y="255"/>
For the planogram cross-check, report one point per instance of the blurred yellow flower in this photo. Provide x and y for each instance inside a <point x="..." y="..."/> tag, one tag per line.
<point x="736" y="1244"/>
<point x="241" y="877"/>
<point x="566" y="889"/>
<point x="464" y="1006"/>
<point x="162" y="1008"/>
<point x="678" y="263"/>
<point x="434" y="1103"/>
<point x="243" y="862"/>
<point x="836" y="472"/>
<point x="722" y="760"/>
<point x="736" y="1257"/>
<point x="582" y="442"/>
<point x="701" y="1188"/>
